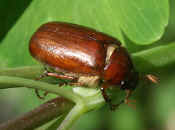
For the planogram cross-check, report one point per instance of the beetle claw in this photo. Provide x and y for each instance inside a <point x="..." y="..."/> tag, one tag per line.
<point x="39" y="96"/>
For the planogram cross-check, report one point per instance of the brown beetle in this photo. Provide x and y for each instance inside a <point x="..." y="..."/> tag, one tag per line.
<point x="85" y="56"/>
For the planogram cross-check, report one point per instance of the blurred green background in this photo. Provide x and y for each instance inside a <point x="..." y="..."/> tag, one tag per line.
<point x="155" y="106"/>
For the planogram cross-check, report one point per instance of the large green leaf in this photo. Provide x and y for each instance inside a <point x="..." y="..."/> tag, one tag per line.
<point x="142" y="21"/>
<point x="106" y="16"/>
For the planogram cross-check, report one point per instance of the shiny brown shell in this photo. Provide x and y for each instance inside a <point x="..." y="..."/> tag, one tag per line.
<point x="71" y="48"/>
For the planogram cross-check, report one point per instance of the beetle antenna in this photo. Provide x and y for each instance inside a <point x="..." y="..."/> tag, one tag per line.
<point x="152" y="78"/>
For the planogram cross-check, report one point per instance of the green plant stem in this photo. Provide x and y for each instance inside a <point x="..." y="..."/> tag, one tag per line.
<point x="72" y="116"/>
<point x="86" y="99"/>
<point x="92" y="99"/>
<point x="12" y="82"/>
<point x="29" y="72"/>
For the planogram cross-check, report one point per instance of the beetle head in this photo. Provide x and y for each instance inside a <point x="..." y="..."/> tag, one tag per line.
<point x="131" y="81"/>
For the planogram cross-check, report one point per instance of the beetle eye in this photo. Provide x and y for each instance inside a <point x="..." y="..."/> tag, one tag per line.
<point x="123" y="84"/>
<point x="130" y="82"/>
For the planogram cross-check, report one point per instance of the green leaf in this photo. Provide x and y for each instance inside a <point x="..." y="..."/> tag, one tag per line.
<point x="106" y="16"/>
<point x="143" y="21"/>
<point x="155" y="58"/>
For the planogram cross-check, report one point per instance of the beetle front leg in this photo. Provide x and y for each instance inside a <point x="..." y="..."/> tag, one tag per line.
<point x="127" y="100"/>
<point x="105" y="96"/>
<point x="107" y="99"/>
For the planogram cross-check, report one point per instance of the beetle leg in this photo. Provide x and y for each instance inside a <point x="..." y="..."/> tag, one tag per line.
<point x="127" y="100"/>
<point x="60" y="76"/>
<point x="39" y="96"/>
<point x="106" y="97"/>
<point x="114" y="106"/>
<point x="47" y="73"/>
<point x="103" y="90"/>
<point x="128" y="94"/>
<point x="52" y="74"/>
<point x="44" y="74"/>
<point x="39" y="78"/>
